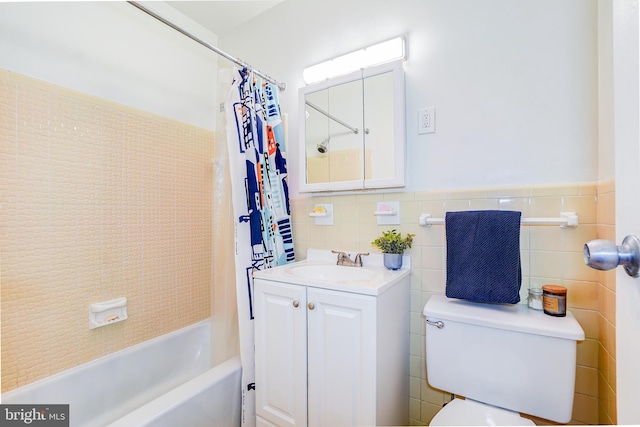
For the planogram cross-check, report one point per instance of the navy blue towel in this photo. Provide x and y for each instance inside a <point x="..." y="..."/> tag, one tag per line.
<point x="483" y="256"/>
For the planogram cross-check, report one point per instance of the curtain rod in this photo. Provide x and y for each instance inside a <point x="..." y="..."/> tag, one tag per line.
<point x="222" y="53"/>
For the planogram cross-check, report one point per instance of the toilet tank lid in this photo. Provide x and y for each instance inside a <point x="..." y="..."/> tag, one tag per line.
<point x="515" y="317"/>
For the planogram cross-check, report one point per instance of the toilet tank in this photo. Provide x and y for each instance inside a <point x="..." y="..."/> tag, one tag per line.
<point x="503" y="355"/>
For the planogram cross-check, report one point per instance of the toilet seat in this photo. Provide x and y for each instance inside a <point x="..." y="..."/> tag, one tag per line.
<point x="468" y="412"/>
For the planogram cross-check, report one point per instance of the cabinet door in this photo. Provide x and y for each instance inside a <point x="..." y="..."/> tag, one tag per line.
<point x="281" y="353"/>
<point x="342" y="358"/>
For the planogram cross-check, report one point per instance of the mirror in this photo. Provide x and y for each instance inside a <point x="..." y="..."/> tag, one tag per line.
<point x="353" y="131"/>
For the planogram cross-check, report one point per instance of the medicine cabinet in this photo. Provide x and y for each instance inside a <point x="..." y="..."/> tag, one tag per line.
<point x="352" y="129"/>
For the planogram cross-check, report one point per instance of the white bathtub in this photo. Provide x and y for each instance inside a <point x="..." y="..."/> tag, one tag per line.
<point x="166" y="381"/>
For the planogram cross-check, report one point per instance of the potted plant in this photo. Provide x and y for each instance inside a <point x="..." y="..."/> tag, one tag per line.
<point x="393" y="245"/>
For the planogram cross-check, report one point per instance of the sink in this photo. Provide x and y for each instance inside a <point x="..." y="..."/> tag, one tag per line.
<point x="333" y="272"/>
<point x="319" y="270"/>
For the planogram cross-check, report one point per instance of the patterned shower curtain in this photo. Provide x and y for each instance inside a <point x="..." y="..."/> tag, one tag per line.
<point x="260" y="199"/>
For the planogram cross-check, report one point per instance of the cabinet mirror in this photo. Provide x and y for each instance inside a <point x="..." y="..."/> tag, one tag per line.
<point x="353" y="131"/>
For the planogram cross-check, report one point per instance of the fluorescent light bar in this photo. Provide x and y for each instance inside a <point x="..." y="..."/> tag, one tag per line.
<point x="363" y="58"/>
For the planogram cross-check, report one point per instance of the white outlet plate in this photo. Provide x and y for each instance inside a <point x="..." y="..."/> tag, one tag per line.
<point x="426" y="120"/>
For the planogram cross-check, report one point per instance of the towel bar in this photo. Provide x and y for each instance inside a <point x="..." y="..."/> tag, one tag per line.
<point x="566" y="220"/>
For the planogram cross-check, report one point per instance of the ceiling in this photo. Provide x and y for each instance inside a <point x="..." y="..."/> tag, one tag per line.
<point x="220" y="17"/>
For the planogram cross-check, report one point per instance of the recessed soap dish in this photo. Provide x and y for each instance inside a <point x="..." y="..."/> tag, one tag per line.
<point x="323" y="214"/>
<point x="107" y="312"/>
<point x="388" y="213"/>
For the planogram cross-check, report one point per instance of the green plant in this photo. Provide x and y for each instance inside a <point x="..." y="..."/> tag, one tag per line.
<point x="392" y="242"/>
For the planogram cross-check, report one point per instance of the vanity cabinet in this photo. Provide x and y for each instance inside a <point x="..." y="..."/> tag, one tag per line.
<point x="326" y="357"/>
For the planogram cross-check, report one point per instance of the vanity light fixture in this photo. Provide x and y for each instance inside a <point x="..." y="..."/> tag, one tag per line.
<point x="376" y="54"/>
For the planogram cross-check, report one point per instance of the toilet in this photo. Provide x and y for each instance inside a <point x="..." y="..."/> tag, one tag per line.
<point x="503" y="359"/>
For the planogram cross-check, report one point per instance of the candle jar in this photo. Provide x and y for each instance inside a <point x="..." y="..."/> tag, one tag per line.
<point x="535" y="298"/>
<point x="554" y="300"/>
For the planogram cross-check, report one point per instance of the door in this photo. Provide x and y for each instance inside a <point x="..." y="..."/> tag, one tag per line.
<point x="627" y="176"/>
<point x="281" y="353"/>
<point x="342" y="358"/>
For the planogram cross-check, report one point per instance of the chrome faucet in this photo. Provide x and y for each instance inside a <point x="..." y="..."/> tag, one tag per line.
<point x="358" y="260"/>
<point x="345" y="259"/>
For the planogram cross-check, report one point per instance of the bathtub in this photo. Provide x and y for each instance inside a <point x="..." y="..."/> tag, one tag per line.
<point x="166" y="381"/>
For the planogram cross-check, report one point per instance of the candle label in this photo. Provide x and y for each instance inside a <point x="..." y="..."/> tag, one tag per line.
<point x="551" y="304"/>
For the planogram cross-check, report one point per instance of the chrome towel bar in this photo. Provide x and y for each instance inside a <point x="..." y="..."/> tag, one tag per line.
<point x="566" y="220"/>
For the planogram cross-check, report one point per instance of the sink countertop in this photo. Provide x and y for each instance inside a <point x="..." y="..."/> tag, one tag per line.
<point x="383" y="278"/>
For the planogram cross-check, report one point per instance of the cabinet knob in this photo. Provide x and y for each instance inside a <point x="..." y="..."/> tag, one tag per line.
<point x="296" y="303"/>
<point x="311" y="306"/>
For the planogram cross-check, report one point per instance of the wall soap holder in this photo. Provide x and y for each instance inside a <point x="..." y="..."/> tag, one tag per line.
<point x="323" y="214"/>
<point x="107" y="312"/>
<point x="388" y="213"/>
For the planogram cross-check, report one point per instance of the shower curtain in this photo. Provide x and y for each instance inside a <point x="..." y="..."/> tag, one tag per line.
<point x="260" y="199"/>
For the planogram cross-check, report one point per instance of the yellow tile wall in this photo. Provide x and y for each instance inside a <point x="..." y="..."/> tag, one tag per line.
<point x="607" y="413"/>
<point x="549" y="254"/>
<point x="98" y="201"/>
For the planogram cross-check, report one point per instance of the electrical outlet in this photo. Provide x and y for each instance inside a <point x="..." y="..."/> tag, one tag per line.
<point x="426" y="120"/>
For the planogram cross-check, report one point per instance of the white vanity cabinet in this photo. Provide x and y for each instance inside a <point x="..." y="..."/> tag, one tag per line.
<point x="329" y="357"/>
